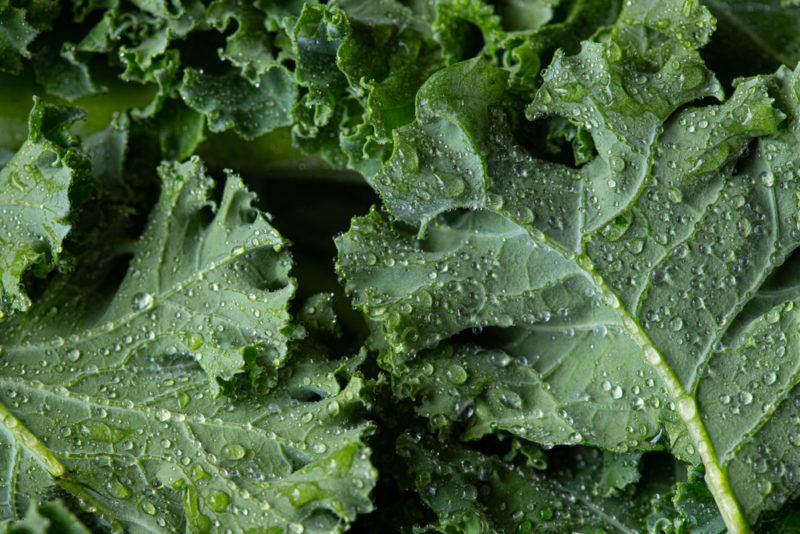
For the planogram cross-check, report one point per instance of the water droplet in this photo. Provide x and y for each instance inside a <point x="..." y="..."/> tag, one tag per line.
<point x="617" y="163"/>
<point x="456" y="374"/>
<point x="510" y="399"/>
<point x="219" y="501"/>
<point x="141" y="301"/>
<point x="675" y="195"/>
<point x="233" y="451"/>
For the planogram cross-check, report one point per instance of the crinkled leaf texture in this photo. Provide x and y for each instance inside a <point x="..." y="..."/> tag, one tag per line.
<point x="622" y="298"/>
<point x="475" y="492"/>
<point x="35" y="200"/>
<point x="206" y="281"/>
<point x="101" y="396"/>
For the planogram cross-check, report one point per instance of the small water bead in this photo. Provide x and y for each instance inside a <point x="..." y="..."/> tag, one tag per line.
<point x="510" y="399"/>
<point x="675" y="195"/>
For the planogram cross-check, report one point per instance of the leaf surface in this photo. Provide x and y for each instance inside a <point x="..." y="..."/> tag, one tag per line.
<point x="613" y="293"/>
<point x="206" y="281"/>
<point x="475" y="492"/>
<point x="110" y="392"/>
<point x="35" y="200"/>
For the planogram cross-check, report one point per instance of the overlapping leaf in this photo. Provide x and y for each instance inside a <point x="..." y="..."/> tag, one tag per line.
<point x="35" y="200"/>
<point x="144" y="444"/>
<point x="475" y="492"/>
<point x="613" y="290"/>
<point x="110" y="393"/>
<point x="206" y="281"/>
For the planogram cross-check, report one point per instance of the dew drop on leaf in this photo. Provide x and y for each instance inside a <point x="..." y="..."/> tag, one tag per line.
<point x="233" y="451"/>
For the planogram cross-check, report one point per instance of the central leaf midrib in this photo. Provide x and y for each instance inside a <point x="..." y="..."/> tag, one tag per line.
<point x="717" y="477"/>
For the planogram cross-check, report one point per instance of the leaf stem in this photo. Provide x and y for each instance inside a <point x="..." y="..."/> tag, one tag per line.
<point x="22" y="435"/>
<point x="716" y="477"/>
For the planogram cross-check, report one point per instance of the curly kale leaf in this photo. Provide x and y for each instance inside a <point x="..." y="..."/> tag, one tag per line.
<point x="35" y="200"/>
<point x="620" y="297"/>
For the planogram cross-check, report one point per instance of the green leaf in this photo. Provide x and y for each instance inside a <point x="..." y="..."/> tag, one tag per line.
<point x="764" y="31"/>
<point x="206" y="281"/>
<point x="478" y="270"/>
<point x="102" y="398"/>
<point x="474" y="492"/>
<point x="620" y="470"/>
<point x="35" y="200"/>
<point x="15" y="36"/>
<point x="625" y="103"/>
<point x="362" y="63"/>
<point x="316" y="37"/>
<point x="526" y="53"/>
<point x="49" y="518"/>
<point x="442" y="148"/>
<point x="180" y="129"/>
<point x="613" y="293"/>
<point x="695" y="506"/>
<point x="465" y="28"/>
<point x="250" y="46"/>
<point x="526" y="14"/>
<point x="63" y="73"/>
<point x="143" y="443"/>
<point x="230" y="101"/>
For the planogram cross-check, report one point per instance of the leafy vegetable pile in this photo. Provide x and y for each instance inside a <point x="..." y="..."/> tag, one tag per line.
<point x="532" y="266"/>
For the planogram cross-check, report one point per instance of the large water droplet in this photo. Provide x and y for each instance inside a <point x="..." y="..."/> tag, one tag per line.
<point x="233" y="451"/>
<point x="141" y="301"/>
